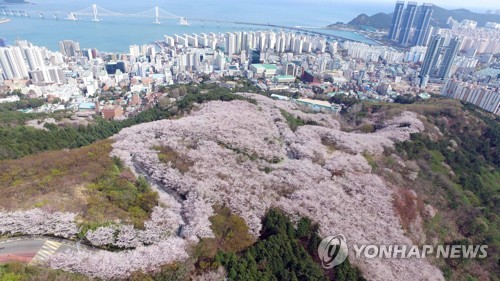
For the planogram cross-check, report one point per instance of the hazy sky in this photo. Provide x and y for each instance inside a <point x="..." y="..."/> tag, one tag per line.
<point x="477" y="6"/>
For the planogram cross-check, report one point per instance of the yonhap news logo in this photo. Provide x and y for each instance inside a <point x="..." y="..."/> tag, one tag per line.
<point x="333" y="251"/>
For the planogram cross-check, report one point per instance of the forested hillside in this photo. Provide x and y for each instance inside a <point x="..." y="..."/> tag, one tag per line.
<point x="454" y="166"/>
<point x="240" y="168"/>
<point x="17" y="140"/>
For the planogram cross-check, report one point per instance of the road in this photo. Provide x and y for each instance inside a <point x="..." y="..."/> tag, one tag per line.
<point x="160" y="185"/>
<point x="35" y="250"/>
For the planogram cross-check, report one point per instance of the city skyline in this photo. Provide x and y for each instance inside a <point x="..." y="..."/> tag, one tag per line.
<point x="361" y="6"/>
<point x="475" y="6"/>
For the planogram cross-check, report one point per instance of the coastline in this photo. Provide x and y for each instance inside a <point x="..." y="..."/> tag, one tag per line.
<point x="363" y="37"/>
<point x="86" y="32"/>
<point x="356" y="30"/>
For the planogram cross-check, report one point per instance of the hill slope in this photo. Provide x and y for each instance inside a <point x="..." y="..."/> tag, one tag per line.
<point x="453" y="169"/>
<point x="380" y="20"/>
<point x="422" y="173"/>
<point x="248" y="158"/>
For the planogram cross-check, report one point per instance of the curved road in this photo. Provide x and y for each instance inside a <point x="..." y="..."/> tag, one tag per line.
<point x="35" y="250"/>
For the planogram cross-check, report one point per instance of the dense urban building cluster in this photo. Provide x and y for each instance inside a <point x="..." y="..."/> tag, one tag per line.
<point x="418" y="60"/>
<point x="450" y="53"/>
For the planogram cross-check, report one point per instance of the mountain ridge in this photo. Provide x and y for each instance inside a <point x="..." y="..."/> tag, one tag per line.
<point x="439" y="18"/>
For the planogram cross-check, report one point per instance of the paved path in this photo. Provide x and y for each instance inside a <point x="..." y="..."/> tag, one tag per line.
<point x="35" y="250"/>
<point x="47" y="250"/>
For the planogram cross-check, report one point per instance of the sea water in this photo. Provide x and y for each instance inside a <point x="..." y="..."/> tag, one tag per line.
<point x="133" y="23"/>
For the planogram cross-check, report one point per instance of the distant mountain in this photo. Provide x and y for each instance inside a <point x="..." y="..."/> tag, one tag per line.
<point x="439" y="18"/>
<point x="380" y="20"/>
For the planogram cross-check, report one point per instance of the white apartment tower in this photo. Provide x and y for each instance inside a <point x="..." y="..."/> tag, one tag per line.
<point x="231" y="43"/>
<point x="69" y="48"/>
<point x="12" y="63"/>
<point x="34" y="57"/>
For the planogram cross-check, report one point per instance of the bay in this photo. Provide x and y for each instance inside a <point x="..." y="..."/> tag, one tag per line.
<point x="116" y="33"/>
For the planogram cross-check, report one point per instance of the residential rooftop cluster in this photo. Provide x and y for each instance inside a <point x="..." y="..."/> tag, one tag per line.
<point x="305" y="66"/>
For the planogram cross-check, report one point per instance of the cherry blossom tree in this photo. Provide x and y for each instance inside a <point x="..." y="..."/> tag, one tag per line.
<point x="38" y="222"/>
<point x="246" y="157"/>
<point x="102" y="236"/>
<point x="163" y="224"/>
<point x="119" y="265"/>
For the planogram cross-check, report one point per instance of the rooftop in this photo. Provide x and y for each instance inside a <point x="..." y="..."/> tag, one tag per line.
<point x="332" y="94"/>
<point x="285" y="77"/>
<point x="280" y="97"/>
<point x="86" y="105"/>
<point x="265" y="66"/>
<point x="488" y="72"/>
<point x="315" y="102"/>
<point x="424" y="96"/>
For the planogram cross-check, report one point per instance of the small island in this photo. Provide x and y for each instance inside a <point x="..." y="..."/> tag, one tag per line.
<point x="13" y="1"/>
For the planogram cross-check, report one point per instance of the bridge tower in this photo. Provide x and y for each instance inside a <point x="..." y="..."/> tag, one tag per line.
<point x="157" y="15"/>
<point x="94" y="10"/>
<point x="183" y="21"/>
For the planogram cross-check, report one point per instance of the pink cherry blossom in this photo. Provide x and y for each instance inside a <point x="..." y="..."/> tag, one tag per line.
<point x="246" y="157"/>
<point x="38" y="222"/>
<point x="119" y="265"/>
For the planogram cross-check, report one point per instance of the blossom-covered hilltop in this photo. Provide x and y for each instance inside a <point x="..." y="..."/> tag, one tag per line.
<point x="247" y="157"/>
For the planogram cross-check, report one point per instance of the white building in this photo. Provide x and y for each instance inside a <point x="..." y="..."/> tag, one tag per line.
<point x="493" y="25"/>
<point x="69" y="48"/>
<point x="34" y="57"/>
<point x="231" y="43"/>
<point x="135" y="50"/>
<point x="12" y="63"/>
<point x="487" y="99"/>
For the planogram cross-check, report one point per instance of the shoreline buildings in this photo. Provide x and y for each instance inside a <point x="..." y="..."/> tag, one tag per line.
<point x="307" y="66"/>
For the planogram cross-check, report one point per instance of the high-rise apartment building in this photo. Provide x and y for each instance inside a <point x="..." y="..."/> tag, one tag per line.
<point x="408" y="18"/>
<point x="231" y="43"/>
<point x="12" y="63"/>
<point x="135" y="50"/>
<point x="430" y="60"/>
<point x="439" y="59"/>
<point x="449" y="53"/>
<point x="396" y="21"/>
<point x="403" y="29"/>
<point x="484" y="97"/>
<point x="34" y="57"/>
<point x="423" y="24"/>
<point x="69" y="48"/>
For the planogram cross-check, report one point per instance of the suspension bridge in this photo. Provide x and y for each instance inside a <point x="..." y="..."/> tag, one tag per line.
<point x="157" y="15"/>
<point x="97" y="13"/>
